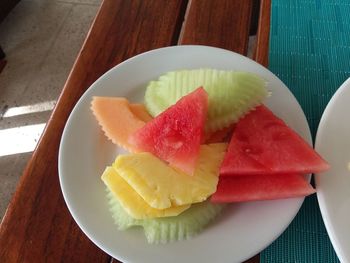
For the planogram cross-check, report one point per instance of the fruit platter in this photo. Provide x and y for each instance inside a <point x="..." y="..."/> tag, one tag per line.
<point x="188" y="153"/>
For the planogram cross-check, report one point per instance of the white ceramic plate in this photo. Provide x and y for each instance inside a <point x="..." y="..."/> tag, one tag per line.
<point x="333" y="186"/>
<point x="242" y="231"/>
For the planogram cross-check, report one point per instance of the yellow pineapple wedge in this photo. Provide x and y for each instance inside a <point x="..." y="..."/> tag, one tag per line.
<point x="132" y="203"/>
<point x="161" y="186"/>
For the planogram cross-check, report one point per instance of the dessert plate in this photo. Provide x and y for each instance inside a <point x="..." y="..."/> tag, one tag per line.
<point x="333" y="186"/>
<point x="242" y="231"/>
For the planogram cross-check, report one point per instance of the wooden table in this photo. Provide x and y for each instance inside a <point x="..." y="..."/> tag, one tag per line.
<point x="37" y="226"/>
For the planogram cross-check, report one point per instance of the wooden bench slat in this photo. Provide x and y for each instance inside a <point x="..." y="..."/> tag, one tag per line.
<point x="222" y="23"/>
<point x="37" y="225"/>
<point x="261" y="54"/>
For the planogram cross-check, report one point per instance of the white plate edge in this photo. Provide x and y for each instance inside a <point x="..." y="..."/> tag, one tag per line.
<point x="320" y="197"/>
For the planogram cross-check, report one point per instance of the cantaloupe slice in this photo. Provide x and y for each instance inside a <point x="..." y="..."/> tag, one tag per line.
<point x="140" y="111"/>
<point x="119" y="119"/>
<point x="131" y="201"/>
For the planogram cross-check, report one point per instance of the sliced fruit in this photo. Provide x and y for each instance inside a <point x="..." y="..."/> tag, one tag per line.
<point x="263" y="144"/>
<point x="175" y="135"/>
<point x="119" y="119"/>
<point x="167" y="229"/>
<point x="162" y="186"/>
<point x="183" y="226"/>
<point x="120" y="216"/>
<point x="222" y="135"/>
<point x="140" y="111"/>
<point x="261" y="187"/>
<point x="231" y="94"/>
<point x="131" y="201"/>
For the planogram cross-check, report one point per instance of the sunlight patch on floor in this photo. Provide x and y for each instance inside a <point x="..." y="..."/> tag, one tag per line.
<point x="20" y="139"/>
<point x="34" y="108"/>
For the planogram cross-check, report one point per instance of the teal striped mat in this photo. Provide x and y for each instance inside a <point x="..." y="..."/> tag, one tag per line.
<point x="310" y="53"/>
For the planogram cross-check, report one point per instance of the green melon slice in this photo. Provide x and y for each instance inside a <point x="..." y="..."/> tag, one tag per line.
<point x="231" y="94"/>
<point x="167" y="229"/>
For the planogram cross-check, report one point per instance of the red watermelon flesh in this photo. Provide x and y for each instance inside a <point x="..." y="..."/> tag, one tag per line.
<point x="175" y="134"/>
<point x="263" y="144"/>
<point x="261" y="187"/>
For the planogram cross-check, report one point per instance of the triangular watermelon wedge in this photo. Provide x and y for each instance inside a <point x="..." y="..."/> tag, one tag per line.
<point x="260" y="187"/>
<point x="175" y="135"/>
<point x="263" y="144"/>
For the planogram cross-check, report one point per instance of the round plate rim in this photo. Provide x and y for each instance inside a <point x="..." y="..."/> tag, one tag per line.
<point x="298" y="201"/>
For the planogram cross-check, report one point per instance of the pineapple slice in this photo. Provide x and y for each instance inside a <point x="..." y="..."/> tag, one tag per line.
<point x="161" y="186"/>
<point x="133" y="204"/>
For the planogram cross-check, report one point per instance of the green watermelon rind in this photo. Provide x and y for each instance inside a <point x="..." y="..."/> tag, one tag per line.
<point x="232" y="94"/>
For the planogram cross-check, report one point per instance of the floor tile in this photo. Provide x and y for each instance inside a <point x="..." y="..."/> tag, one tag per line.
<point x="27" y="35"/>
<point x="91" y="2"/>
<point x="8" y="180"/>
<point x="41" y="40"/>
<point x="55" y="69"/>
<point x="9" y="177"/>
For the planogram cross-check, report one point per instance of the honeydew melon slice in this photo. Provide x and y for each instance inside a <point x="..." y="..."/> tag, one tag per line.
<point x="231" y="93"/>
<point x="167" y="229"/>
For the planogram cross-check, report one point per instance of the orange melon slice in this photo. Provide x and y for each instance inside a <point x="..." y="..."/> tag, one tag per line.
<point x="119" y="119"/>
<point x="140" y="111"/>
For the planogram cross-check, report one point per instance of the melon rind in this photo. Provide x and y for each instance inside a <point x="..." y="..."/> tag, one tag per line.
<point x="167" y="229"/>
<point x="232" y="94"/>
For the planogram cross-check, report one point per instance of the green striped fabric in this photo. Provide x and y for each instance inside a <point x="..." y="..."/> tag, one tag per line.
<point x="310" y="53"/>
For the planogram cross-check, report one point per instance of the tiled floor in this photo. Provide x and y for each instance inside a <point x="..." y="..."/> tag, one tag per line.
<point x="41" y="39"/>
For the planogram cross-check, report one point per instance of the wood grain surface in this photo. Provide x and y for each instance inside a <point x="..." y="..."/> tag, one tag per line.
<point x="261" y="54"/>
<point x="221" y="23"/>
<point x="37" y="226"/>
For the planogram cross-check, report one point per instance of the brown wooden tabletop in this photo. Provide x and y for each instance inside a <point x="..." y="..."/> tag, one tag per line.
<point x="37" y="226"/>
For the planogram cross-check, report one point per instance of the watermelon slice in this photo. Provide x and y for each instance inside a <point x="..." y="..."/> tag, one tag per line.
<point x="261" y="187"/>
<point x="175" y="135"/>
<point x="263" y="144"/>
